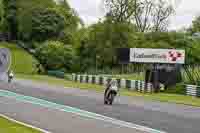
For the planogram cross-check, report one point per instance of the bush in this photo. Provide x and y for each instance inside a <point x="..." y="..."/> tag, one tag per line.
<point x="54" y="55"/>
<point x="68" y="77"/>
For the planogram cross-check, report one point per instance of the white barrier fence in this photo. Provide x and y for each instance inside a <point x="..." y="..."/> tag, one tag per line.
<point x="133" y="85"/>
<point x="193" y="90"/>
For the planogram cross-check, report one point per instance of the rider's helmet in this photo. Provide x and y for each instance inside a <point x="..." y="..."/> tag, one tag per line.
<point x="114" y="82"/>
<point x="11" y="74"/>
<point x="109" y="81"/>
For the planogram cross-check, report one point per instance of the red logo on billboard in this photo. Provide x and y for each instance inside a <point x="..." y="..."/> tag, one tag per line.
<point x="174" y="55"/>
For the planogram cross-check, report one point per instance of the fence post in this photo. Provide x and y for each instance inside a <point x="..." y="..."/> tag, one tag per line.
<point x="123" y="83"/>
<point x="128" y="84"/>
<point x="87" y="79"/>
<point x="97" y="80"/>
<point x="73" y="77"/>
<point x="101" y="80"/>
<point x="133" y="85"/>
<point x="118" y="82"/>
<point x="104" y="80"/>
<point x="84" y="79"/>
<point x="140" y="86"/>
<point x="143" y="86"/>
<point x="137" y="85"/>
<point x="191" y="90"/>
<point x="149" y="88"/>
<point x="78" y="78"/>
<point x="93" y="79"/>
<point x="198" y="91"/>
<point x="90" y="79"/>
<point x="81" y="78"/>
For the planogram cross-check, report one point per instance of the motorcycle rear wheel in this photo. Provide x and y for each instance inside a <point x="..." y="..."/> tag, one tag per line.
<point x="111" y="98"/>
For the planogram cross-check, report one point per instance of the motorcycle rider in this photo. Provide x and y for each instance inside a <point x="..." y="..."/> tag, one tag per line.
<point x="107" y="88"/>
<point x="10" y="76"/>
<point x="110" y="83"/>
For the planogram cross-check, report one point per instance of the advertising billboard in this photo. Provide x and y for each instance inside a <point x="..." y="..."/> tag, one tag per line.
<point x="168" y="56"/>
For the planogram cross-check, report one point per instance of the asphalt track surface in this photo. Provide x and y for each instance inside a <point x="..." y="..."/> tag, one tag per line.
<point x="54" y="121"/>
<point x="171" y="118"/>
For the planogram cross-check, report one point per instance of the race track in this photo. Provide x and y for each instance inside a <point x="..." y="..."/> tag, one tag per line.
<point x="166" y="117"/>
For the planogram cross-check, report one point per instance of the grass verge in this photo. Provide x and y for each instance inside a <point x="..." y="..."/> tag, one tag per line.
<point x="163" y="97"/>
<point x="7" y="126"/>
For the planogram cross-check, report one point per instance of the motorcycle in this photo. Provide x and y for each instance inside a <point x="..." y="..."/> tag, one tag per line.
<point x="111" y="94"/>
<point x="10" y="77"/>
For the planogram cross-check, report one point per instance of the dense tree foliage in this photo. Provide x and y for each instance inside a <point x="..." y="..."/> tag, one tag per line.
<point x="120" y="10"/>
<point x="54" y="55"/>
<point x="46" y="23"/>
<point x="24" y="15"/>
<point x="128" y="23"/>
<point x="21" y="14"/>
<point x="10" y="17"/>
<point x="195" y="25"/>
<point x="1" y="15"/>
<point x="101" y="40"/>
<point x="71" y="19"/>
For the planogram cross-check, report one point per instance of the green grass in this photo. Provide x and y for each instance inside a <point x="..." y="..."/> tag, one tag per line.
<point x="163" y="97"/>
<point x="60" y="82"/>
<point x="135" y="76"/>
<point x="7" y="126"/>
<point x="22" y="62"/>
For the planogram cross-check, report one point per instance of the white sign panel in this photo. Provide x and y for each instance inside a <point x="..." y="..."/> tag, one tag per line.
<point x="5" y="57"/>
<point x="170" y="56"/>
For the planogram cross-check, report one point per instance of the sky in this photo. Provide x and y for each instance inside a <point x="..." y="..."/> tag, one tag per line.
<point x="91" y="10"/>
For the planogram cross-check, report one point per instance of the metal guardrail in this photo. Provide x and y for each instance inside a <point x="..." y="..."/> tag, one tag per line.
<point x="133" y="85"/>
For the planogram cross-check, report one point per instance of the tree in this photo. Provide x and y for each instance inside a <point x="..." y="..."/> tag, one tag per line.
<point x="46" y="23"/>
<point x="54" y="55"/>
<point x="10" y="15"/>
<point x="1" y="15"/>
<point x="24" y="15"/>
<point x="120" y="10"/>
<point x="64" y="3"/>
<point x="72" y="21"/>
<point x="102" y="40"/>
<point x="195" y="25"/>
<point x="152" y="15"/>
<point x="71" y="17"/>
<point x="148" y="15"/>
<point x="141" y="15"/>
<point x="161" y="15"/>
